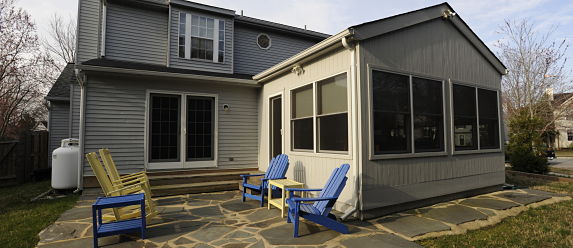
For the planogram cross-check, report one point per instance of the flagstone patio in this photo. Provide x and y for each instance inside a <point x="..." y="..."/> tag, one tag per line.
<point x="222" y="220"/>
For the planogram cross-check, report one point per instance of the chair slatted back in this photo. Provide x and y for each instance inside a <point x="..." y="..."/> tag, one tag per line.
<point x="99" y="172"/>
<point x="109" y="164"/>
<point x="277" y="168"/>
<point x="333" y="188"/>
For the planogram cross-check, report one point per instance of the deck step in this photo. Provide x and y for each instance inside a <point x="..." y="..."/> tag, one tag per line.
<point x="195" y="178"/>
<point x="193" y="188"/>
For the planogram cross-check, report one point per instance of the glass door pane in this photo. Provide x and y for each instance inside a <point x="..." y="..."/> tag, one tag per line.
<point x="164" y="128"/>
<point x="276" y="126"/>
<point x="200" y="128"/>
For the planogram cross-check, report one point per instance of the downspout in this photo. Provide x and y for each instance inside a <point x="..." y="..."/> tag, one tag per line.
<point x="82" y="81"/>
<point x="348" y="43"/>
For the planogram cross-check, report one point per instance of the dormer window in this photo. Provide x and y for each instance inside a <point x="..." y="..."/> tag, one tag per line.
<point x="201" y="38"/>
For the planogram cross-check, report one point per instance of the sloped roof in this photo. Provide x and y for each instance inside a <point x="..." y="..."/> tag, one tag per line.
<point x="382" y="26"/>
<point x="61" y="88"/>
<point x="279" y="27"/>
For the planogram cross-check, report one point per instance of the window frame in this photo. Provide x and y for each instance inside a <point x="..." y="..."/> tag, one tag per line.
<point x="499" y="122"/>
<point x="315" y="152"/>
<point x="182" y="163"/>
<point x="270" y="41"/>
<point x="188" y="37"/>
<point x="412" y="153"/>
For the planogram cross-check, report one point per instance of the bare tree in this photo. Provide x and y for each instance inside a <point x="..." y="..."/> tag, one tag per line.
<point x="25" y="70"/>
<point x="536" y="63"/>
<point x="61" y="40"/>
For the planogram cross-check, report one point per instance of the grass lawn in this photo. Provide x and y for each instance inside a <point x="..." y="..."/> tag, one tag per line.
<point x="564" y="153"/>
<point x="22" y="220"/>
<point x="546" y="226"/>
<point x="561" y="171"/>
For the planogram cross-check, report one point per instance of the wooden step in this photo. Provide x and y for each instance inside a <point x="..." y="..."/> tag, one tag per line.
<point x="195" y="178"/>
<point x="193" y="188"/>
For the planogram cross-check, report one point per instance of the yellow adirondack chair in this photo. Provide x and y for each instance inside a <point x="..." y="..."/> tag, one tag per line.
<point x="119" y="188"/>
<point x="114" y="175"/>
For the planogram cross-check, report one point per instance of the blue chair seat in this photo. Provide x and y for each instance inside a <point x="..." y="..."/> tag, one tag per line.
<point x="277" y="170"/>
<point x="251" y="186"/>
<point x="309" y="209"/>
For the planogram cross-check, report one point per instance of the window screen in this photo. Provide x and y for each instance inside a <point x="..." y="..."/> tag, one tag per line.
<point x="391" y="113"/>
<point x="428" y="115"/>
<point x="488" y="119"/>
<point x="465" y="119"/>
<point x="302" y="118"/>
<point x="332" y="114"/>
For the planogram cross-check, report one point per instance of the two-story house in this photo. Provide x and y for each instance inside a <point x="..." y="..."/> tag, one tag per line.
<point x="411" y="102"/>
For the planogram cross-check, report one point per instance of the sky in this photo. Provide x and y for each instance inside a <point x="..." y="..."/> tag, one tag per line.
<point x="332" y="16"/>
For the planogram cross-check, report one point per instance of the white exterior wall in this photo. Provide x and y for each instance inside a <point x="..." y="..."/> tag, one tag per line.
<point x="311" y="168"/>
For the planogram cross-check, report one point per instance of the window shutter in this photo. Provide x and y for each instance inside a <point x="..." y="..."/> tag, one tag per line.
<point x="216" y="41"/>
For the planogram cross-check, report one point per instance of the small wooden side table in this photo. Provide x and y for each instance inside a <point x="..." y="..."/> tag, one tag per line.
<point x="282" y="184"/>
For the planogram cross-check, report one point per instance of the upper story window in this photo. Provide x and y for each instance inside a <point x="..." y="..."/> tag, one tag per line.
<point x="475" y="111"/>
<point x="264" y="41"/>
<point x="201" y="38"/>
<point x="408" y="114"/>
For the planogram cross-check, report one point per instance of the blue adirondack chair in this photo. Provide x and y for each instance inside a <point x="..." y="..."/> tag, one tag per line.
<point x="319" y="211"/>
<point x="277" y="170"/>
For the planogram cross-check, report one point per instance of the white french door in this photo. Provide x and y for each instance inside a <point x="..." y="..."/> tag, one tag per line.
<point x="181" y="131"/>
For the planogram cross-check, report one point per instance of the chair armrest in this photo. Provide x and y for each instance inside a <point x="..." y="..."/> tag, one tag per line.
<point x="266" y="179"/>
<point x="130" y="187"/>
<point x="296" y="199"/>
<point x="252" y="175"/>
<point x="301" y="189"/>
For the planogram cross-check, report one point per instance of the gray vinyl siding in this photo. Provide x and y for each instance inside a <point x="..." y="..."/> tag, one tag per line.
<point x="436" y="49"/>
<point x="59" y="123"/>
<point x="196" y="64"/>
<point x="115" y="119"/>
<point x="251" y="59"/>
<point x="88" y="30"/>
<point x="75" y="108"/>
<point x="136" y="34"/>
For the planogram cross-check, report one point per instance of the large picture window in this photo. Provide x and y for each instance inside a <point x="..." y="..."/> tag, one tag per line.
<point x="302" y="118"/>
<point x="408" y="115"/>
<point x="201" y="37"/>
<point x="332" y="116"/>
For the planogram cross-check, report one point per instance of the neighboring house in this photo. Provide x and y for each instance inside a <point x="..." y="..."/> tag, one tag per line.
<point x="562" y="103"/>
<point x="411" y="102"/>
<point x="59" y="125"/>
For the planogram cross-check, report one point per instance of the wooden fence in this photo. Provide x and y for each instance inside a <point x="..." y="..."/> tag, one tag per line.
<point x="24" y="160"/>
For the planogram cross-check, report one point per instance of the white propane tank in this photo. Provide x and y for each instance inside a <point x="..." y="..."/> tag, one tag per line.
<point x="65" y="165"/>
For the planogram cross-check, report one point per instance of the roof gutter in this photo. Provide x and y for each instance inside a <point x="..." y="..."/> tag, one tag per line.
<point x="310" y="53"/>
<point x="244" y="82"/>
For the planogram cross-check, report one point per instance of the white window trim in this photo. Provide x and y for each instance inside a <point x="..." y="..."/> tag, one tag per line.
<point x="270" y="41"/>
<point x="316" y="152"/>
<point x="412" y="153"/>
<point x="478" y="150"/>
<point x="188" y="36"/>
<point x="182" y="163"/>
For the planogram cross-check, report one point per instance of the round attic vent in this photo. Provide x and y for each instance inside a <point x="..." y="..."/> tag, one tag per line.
<point x="264" y="41"/>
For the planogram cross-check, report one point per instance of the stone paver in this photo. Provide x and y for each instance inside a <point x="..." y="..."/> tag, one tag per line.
<point x="489" y="203"/>
<point x="412" y="226"/>
<point x="453" y="214"/>
<point x="370" y="241"/>
<point x="521" y="198"/>
<point x="223" y="220"/>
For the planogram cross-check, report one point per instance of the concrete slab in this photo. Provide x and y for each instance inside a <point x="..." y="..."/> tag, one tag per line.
<point x="412" y="226"/>
<point x="454" y="214"/>
<point x="523" y="199"/>
<point x="489" y="203"/>
<point x="379" y="240"/>
<point x="544" y="193"/>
